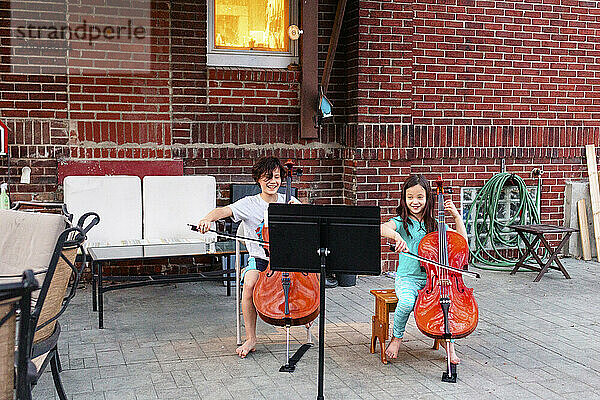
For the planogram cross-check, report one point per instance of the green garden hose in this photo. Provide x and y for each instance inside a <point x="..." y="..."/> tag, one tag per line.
<point x="490" y="231"/>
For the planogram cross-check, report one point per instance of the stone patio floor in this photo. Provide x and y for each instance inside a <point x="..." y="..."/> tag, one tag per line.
<point x="534" y="341"/>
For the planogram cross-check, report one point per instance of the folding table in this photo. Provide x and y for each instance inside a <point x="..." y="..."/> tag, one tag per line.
<point x="538" y="230"/>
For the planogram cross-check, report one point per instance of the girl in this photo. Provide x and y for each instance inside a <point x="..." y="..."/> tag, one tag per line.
<point x="415" y="219"/>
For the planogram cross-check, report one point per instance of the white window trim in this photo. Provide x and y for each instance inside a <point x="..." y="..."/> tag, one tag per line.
<point x="249" y="58"/>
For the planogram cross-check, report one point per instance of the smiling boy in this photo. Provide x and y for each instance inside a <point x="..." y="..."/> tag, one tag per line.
<point x="268" y="172"/>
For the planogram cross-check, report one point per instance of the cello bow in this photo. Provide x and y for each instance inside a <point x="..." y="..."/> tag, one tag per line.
<point x="408" y="254"/>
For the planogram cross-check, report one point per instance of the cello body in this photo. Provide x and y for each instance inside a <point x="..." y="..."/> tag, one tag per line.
<point x="269" y="296"/>
<point x="445" y="307"/>
<point x="463" y="313"/>
<point x="286" y="298"/>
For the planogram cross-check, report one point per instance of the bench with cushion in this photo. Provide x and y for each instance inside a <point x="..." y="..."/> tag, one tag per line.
<point x="133" y="211"/>
<point x="143" y="219"/>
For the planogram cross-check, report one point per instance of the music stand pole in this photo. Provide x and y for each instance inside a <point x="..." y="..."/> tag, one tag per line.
<point x="322" y="227"/>
<point x="323" y="252"/>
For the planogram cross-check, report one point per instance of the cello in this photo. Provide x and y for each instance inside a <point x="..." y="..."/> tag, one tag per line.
<point x="286" y="298"/>
<point x="445" y="308"/>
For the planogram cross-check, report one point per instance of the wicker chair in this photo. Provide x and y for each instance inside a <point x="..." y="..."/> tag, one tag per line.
<point x="15" y="297"/>
<point x="55" y="270"/>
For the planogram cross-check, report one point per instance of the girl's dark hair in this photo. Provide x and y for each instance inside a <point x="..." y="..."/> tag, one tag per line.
<point x="428" y="212"/>
<point x="266" y="166"/>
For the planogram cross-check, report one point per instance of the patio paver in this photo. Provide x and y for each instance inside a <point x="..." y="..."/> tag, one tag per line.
<point x="534" y="341"/>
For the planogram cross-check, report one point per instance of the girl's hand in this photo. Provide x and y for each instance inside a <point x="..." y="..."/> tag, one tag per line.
<point x="204" y="225"/>
<point x="451" y="208"/>
<point x="401" y="245"/>
<point x="294" y="201"/>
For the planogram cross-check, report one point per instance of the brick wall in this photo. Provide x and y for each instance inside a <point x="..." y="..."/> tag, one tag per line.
<point x="505" y="63"/>
<point x="33" y="102"/>
<point x="320" y="183"/>
<point x="483" y="81"/>
<point x="418" y="86"/>
<point x="119" y="96"/>
<point x="472" y="166"/>
<point x="384" y="62"/>
<point x="154" y="99"/>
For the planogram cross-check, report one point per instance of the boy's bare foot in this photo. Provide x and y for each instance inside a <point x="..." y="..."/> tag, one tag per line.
<point x="454" y="359"/>
<point x="248" y="347"/>
<point x="451" y="352"/>
<point x="392" y="349"/>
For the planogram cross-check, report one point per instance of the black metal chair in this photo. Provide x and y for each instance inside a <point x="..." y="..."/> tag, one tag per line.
<point x="52" y="300"/>
<point x="15" y="297"/>
<point x="241" y="190"/>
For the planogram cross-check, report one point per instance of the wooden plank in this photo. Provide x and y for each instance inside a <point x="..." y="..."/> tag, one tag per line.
<point x="139" y="168"/>
<point x="309" y="88"/>
<point x="583" y="230"/>
<point x="333" y="41"/>
<point x="590" y="152"/>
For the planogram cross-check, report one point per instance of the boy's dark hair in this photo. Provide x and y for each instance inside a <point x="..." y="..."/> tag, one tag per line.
<point x="402" y="209"/>
<point x="266" y="166"/>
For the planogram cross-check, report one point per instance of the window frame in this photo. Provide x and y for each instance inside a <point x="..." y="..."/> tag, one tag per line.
<point x="249" y="58"/>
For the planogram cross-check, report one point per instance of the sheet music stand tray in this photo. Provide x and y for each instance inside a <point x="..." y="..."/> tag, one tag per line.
<point x="322" y="239"/>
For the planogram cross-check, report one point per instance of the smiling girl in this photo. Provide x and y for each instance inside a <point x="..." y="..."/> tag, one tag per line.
<point x="415" y="219"/>
<point x="268" y="173"/>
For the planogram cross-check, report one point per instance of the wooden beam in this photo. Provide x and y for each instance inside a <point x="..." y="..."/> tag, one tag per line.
<point x="309" y="89"/>
<point x="590" y="152"/>
<point x="583" y="230"/>
<point x="333" y="41"/>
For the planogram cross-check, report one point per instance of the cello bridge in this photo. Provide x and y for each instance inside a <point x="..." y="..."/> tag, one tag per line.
<point x="445" y="282"/>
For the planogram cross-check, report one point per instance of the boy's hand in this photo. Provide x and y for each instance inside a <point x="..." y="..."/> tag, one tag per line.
<point x="451" y="208"/>
<point x="401" y="245"/>
<point x="294" y="201"/>
<point x="204" y="225"/>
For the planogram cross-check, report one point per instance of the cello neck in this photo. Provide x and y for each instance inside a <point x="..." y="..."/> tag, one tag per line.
<point x="441" y="211"/>
<point x="289" y="165"/>
<point x="443" y="247"/>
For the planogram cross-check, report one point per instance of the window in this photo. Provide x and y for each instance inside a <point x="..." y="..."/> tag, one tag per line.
<point x="251" y="33"/>
<point x="508" y="204"/>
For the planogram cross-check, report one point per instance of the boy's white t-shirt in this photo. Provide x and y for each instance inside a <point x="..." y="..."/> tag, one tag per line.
<point x="252" y="210"/>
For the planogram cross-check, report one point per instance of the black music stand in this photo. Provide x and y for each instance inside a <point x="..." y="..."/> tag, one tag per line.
<point x="322" y="239"/>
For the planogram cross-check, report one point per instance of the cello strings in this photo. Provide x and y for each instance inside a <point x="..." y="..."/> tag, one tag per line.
<point x="442" y="241"/>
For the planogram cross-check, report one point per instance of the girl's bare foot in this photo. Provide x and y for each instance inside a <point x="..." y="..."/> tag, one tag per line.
<point x="450" y="352"/>
<point x="392" y="349"/>
<point x="248" y="347"/>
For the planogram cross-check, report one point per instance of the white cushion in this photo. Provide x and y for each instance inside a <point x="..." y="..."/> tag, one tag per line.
<point x="116" y="199"/>
<point x="27" y="241"/>
<point x="172" y="202"/>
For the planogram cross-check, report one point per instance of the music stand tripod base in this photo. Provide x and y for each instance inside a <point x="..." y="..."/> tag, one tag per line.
<point x="452" y="377"/>
<point x="290" y="366"/>
<point x="287" y="368"/>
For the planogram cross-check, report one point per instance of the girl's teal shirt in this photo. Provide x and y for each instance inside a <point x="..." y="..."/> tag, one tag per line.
<point x="409" y="267"/>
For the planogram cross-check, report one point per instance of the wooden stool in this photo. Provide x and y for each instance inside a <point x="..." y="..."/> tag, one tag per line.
<point x="385" y="303"/>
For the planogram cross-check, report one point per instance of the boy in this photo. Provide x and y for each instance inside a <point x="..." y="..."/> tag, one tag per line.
<point x="268" y="172"/>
